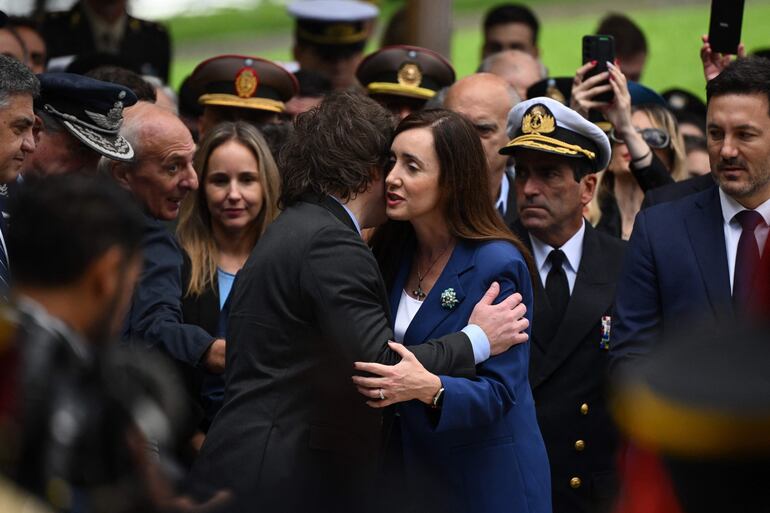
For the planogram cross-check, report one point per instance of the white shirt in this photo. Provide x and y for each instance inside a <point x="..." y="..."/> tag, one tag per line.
<point x="733" y="229"/>
<point x="573" y="253"/>
<point x="502" y="199"/>
<point x="407" y="309"/>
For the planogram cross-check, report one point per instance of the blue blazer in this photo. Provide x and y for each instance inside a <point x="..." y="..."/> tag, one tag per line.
<point x="675" y="272"/>
<point x="482" y="452"/>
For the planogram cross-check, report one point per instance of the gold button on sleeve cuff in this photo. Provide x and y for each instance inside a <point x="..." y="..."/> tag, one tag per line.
<point x="580" y="445"/>
<point x="575" y="483"/>
<point x="584" y="409"/>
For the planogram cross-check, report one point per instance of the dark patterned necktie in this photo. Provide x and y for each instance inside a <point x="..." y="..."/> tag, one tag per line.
<point x="746" y="258"/>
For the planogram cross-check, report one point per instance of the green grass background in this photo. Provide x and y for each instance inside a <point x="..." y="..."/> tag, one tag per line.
<point x="673" y="34"/>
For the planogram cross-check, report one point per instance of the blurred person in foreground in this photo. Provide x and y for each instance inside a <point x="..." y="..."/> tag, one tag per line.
<point x="293" y="434"/>
<point x="219" y="225"/>
<point x="696" y="415"/>
<point x="577" y="269"/>
<point x="72" y="288"/>
<point x="438" y="261"/>
<point x="704" y="257"/>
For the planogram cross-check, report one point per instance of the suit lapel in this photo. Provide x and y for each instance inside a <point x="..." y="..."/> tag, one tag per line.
<point x="705" y="228"/>
<point x="332" y="206"/>
<point x="542" y="318"/>
<point x="591" y="297"/>
<point x="431" y="313"/>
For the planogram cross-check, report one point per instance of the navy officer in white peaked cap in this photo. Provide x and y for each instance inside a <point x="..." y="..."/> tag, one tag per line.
<point x="557" y="154"/>
<point x="330" y="36"/>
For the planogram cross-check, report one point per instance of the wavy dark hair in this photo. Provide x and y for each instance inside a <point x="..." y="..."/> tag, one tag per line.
<point x="466" y="193"/>
<point x="335" y="148"/>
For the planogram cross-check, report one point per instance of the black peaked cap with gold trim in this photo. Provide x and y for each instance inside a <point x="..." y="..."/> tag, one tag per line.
<point x="544" y="124"/>
<point x="408" y="71"/>
<point x="244" y="82"/>
<point x="333" y="23"/>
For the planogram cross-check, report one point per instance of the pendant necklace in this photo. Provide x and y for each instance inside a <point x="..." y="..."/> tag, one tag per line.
<point x="419" y="293"/>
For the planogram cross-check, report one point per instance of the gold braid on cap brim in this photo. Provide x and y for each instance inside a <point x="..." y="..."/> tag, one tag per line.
<point x="400" y="90"/>
<point x="542" y="142"/>
<point x="687" y="430"/>
<point x="337" y="39"/>
<point x="230" y="100"/>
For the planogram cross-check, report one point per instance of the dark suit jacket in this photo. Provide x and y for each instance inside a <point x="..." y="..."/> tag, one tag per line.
<point x="677" y="190"/>
<point x="293" y="433"/>
<point x="155" y="316"/>
<point x="675" y="272"/>
<point x="568" y="369"/>
<point x="145" y="44"/>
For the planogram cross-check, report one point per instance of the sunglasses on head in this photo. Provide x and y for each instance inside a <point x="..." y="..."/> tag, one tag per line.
<point x="654" y="137"/>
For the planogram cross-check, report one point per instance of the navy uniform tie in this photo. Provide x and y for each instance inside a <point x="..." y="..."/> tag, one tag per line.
<point x="746" y="258"/>
<point x="556" y="285"/>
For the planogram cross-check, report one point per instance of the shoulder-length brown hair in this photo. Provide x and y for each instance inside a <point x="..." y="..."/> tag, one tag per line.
<point x="464" y="184"/>
<point x="194" y="230"/>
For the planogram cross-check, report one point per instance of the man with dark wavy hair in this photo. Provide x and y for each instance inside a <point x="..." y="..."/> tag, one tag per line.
<point x="293" y="433"/>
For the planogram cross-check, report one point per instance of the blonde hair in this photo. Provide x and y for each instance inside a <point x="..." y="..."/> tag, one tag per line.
<point x="194" y="230"/>
<point x="662" y="119"/>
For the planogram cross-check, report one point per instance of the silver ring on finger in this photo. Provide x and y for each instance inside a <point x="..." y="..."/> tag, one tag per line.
<point x="382" y="396"/>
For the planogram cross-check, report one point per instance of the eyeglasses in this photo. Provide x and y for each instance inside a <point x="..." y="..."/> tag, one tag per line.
<point x="654" y="137"/>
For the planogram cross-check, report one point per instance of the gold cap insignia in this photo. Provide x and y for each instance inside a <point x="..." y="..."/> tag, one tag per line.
<point x="409" y="75"/>
<point x="538" y="120"/>
<point x="246" y="82"/>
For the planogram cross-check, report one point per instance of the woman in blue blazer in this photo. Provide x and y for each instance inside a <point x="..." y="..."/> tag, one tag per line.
<point x="468" y="445"/>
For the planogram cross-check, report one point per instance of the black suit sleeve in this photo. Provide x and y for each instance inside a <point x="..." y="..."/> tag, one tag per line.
<point x="341" y="278"/>
<point x="652" y="176"/>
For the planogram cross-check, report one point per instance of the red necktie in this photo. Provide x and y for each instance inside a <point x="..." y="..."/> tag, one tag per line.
<point x="746" y="258"/>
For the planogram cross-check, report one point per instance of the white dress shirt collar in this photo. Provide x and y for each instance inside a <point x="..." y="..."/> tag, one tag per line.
<point x="502" y="199"/>
<point x="350" y="213"/>
<point x="573" y="253"/>
<point x="730" y="207"/>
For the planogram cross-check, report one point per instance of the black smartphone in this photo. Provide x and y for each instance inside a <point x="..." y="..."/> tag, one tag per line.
<point x="725" y="26"/>
<point x="601" y="49"/>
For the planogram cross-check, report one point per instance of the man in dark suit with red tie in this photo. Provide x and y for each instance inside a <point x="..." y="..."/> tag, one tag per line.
<point x="703" y="258"/>
<point x="574" y="286"/>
